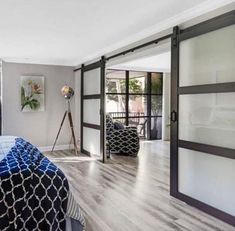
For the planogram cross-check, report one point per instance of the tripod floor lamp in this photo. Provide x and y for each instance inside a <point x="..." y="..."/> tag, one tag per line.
<point x="68" y="93"/>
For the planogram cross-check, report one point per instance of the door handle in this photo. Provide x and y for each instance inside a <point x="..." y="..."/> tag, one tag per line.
<point x="174" y="116"/>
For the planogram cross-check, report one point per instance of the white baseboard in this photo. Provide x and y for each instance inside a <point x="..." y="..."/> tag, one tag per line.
<point x="57" y="147"/>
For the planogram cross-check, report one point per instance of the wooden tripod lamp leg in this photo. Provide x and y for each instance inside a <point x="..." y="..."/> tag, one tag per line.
<point x="73" y="134"/>
<point x="59" y="130"/>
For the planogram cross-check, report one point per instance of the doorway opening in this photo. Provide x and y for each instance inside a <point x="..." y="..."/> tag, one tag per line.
<point x="137" y="91"/>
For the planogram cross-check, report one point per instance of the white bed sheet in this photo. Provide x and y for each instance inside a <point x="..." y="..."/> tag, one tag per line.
<point x="6" y="143"/>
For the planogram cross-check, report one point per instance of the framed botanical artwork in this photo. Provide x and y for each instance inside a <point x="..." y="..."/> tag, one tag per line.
<point x="32" y="93"/>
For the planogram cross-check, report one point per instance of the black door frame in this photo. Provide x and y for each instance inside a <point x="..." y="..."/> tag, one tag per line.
<point x="100" y="64"/>
<point x="178" y="36"/>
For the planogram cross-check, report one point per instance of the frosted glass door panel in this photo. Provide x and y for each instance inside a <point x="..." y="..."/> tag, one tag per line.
<point x="91" y="111"/>
<point x="208" y="58"/>
<point x="92" y="82"/>
<point x="91" y="140"/>
<point x="208" y="178"/>
<point x="208" y="119"/>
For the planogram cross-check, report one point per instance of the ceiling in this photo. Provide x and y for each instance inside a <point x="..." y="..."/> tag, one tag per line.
<point x="69" y="32"/>
<point x="156" y="63"/>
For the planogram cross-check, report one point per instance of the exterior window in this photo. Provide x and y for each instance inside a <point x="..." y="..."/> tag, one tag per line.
<point x="135" y="99"/>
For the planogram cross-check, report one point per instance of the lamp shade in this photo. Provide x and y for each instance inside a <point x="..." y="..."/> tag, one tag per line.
<point x="67" y="92"/>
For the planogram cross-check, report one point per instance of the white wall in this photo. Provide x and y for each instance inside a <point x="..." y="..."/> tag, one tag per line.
<point x="40" y="128"/>
<point x="166" y="107"/>
<point x="77" y="104"/>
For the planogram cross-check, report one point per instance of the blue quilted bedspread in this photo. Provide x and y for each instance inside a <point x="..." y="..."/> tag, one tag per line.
<point x="33" y="191"/>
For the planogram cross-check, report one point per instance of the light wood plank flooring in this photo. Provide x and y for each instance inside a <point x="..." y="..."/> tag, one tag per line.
<point x="131" y="194"/>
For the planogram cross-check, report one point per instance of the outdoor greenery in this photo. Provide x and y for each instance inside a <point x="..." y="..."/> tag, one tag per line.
<point x="156" y="102"/>
<point x="135" y="86"/>
<point x="112" y="87"/>
<point x="156" y="85"/>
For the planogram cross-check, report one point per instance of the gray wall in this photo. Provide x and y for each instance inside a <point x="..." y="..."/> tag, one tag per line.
<point x="40" y="128"/>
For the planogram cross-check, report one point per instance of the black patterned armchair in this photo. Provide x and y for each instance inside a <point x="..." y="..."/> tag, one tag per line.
<point x="122" y="140"/>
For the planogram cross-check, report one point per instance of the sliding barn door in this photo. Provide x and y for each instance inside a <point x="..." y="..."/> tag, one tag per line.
<point x="92" y="109"/>
<point x="203" y="116"/>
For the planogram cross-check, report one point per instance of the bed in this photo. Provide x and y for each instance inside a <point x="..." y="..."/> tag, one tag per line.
<point x="34" y="193"/>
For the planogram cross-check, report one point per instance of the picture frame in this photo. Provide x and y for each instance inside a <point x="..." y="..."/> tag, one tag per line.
<point x="32" y="93"/>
